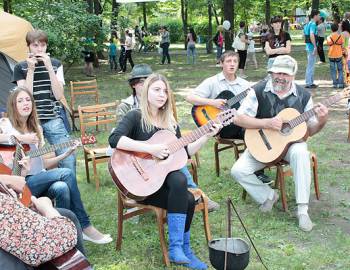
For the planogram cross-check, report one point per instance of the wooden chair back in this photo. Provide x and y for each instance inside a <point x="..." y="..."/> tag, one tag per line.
<point x="96" y="115"/>
<point x="83" y="88"/>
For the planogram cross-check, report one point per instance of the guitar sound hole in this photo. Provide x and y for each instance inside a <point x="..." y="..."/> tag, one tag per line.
<point x="286" y="129"/>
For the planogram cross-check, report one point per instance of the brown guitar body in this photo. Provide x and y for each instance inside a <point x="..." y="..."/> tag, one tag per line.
<point x="269" y="146"/>
<point x="138" y="175"/>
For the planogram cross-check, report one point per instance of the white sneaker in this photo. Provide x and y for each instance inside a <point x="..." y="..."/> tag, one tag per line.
<point x="305" y="223"/>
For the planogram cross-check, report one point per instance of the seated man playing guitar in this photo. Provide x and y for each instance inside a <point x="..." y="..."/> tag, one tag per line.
<point x="219" y="92"/>
<point x="60" y="183"/>
<point x="155" y="117"/>
<point x="258" y="111"/>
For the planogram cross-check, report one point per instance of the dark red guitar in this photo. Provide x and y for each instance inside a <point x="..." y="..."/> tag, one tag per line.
<point x="138" y="175"/>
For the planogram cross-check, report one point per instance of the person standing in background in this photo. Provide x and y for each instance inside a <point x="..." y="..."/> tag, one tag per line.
<point x="321" y="29"/>
<point x="112" y="55"/>
<point x="219" y="43"/>
<point x="165" y="44"/>
<point x="191" y="46"/>
<point x="128" y="51"/>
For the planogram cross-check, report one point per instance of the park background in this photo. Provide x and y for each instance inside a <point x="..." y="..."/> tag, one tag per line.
<point x="281" y="243"/>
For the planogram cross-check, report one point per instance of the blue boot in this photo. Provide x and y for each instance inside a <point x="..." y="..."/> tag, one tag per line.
<point x="195" y="263"/>
<point x="176" y="228"/>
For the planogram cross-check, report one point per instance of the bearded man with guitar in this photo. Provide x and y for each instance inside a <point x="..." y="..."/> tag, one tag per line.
<point x="259" y="111"/>
<point x="222" y="91"/>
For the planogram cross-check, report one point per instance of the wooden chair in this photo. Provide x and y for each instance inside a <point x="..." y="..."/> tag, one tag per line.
<point x="128" y="208"/>
<point x="82" y="89"/>
<point x="96" y="115"/>
<point x="282" y="171"/>
<point x="237" y="145"/>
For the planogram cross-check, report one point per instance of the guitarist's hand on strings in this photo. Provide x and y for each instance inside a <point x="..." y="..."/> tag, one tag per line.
<point x="218" y="103"/>
<point x="30" y="138"/>
<point x="160" y="151"/>
<point x="274" y="123"/>
<point x="25" y="164"/>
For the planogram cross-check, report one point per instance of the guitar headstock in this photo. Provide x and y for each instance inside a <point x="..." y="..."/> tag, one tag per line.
<point x="226" y="117"/>
<point x="88" y="139"/>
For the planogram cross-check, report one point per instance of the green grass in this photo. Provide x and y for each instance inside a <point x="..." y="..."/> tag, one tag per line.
<point x="280" y="242"/>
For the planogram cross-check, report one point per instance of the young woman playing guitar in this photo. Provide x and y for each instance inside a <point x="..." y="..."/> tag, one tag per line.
<point x="59" y="183"/>
<point x="138" y="125"/>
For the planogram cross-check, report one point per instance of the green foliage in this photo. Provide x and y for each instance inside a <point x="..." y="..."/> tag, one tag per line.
<point x="66" y="23"/>
<point x="174" y="27"/>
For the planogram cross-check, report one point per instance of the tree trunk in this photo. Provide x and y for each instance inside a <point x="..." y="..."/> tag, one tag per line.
<point x="7" y="6"/>
<point x="315" y="4"/>
<point x="184" y="16"/>
<point x="267" y="12"/>
<point x="144" y="9"/>
<point x="97" y="7"/>
<point x="114" y="16"/>
<point x="228" y="15"/>
<point x="210" y="29"/>
<point x="216" y="15"/>
<point x="90" y="4"/>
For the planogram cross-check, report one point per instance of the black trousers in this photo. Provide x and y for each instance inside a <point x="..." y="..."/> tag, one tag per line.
<point x="126" y="57"/>
<point x="165" y="47"/>
<point x="320" y="51"/>
<point x="242" y="58"/>
<point x="174" y="197"/>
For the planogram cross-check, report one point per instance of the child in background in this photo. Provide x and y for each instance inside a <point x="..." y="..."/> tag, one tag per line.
<point x="251" y="50"/>
<point x="112" y="55"/>
<point x="336" y="43"/>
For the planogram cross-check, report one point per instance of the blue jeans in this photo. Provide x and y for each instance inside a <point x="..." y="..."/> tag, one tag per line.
<point x="218" y="52"/>
<point x="60" y="184"/>
<point x="310" y="68"/>
<point x="191" y="50"/>
<point x="55" y="132"/>
<point x="337" y="72"/>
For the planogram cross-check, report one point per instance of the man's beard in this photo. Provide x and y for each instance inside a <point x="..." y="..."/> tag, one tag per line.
<point x="281" y="85"/>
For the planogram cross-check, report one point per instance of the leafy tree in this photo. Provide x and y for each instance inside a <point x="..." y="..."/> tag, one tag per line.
<point x="66" y="24"/>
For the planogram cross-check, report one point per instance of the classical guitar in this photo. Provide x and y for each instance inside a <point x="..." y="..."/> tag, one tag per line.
<point x="269" y="146"/>
<point x="71" y="260"/>
<point x="138" y="175"/>
<point x="202" y="114"/>
<point x="8" y="156"/>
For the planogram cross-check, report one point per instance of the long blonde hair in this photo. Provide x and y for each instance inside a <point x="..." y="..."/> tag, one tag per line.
<point x="165" y="113"/>
<point x="32" y="123"/>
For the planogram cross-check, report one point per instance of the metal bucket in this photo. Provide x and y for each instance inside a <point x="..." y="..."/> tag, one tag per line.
<point x="237" y="249"/>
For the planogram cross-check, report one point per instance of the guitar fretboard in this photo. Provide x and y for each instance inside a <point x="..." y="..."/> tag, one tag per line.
<point x="50" y="148"/>
<point x="239" y="97"/>
<point x="177" y="144"/>
<point x="310" y="113"/>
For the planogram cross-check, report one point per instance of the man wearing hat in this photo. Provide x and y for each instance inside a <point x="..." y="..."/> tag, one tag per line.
<point x="137" y="77"/>
<point x="259" y="110"/>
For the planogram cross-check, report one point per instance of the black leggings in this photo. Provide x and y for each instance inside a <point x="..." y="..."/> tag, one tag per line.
<point x="174" y="197"/>
<point x="242" y="58"/>
<point x="126" y="57"/>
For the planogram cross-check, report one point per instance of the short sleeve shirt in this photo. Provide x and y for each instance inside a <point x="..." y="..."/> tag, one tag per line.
<point x="213" y="86"/>
<point x="311" y="29"/>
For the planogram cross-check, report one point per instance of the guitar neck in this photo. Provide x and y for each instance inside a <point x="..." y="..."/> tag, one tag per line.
<point x="51" y="148"/>
<point x="238" y="98"/>
<point x="310" y="113"/>
<point x="190" y="137"/>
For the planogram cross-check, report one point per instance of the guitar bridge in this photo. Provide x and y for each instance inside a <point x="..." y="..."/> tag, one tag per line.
<point x="264" y="138"/>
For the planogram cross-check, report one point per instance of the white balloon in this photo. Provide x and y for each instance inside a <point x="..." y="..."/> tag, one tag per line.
<point x="226" y="24"/>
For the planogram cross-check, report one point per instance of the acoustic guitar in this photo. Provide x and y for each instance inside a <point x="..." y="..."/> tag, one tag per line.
<point x="270" y="146"/>
<point x="138" y="175"/>
<point x="71" y="260"/>
<point x="203" y="113"/>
